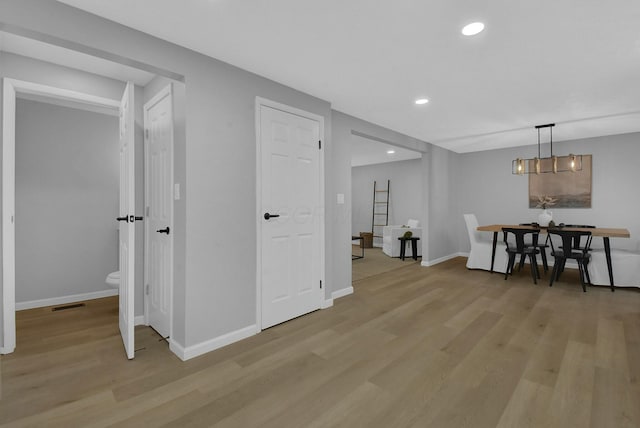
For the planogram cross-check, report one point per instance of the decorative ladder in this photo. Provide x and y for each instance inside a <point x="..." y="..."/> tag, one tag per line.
<point x="380" y="209"/>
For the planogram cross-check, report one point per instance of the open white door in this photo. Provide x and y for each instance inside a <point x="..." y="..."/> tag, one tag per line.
<point x="127" y="220"/>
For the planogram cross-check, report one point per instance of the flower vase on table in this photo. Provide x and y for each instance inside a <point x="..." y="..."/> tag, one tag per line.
<point x="546" y="216"/>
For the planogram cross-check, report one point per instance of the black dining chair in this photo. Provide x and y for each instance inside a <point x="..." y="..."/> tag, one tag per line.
<point x="566" y="251"/>
<point x="576" y="243"/>
<point x="542" y="247"/>
<point x="519" y="248"/>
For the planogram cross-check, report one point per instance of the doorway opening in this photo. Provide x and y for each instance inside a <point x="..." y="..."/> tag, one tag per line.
<point x="397" y="173"/>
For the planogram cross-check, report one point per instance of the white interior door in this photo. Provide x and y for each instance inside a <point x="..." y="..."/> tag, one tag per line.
<point x="127" y="220"/>
<point x="159" y="197"/>
<point x="291" y="208"/>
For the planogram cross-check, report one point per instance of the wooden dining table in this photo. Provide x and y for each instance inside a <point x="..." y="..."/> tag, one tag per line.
<point x="604" y="233"/>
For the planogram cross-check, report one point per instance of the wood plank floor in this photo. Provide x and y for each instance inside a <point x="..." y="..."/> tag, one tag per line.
<point x="413" y="347"/>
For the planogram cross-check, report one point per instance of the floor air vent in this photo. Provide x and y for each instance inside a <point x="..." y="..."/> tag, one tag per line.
<point x="62" y="308"/>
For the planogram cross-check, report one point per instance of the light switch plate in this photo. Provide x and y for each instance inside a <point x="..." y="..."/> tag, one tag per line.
<point x="341" y="198"/>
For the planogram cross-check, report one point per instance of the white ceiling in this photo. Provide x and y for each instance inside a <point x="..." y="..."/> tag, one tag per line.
<point x="365" y="151"/>
<point x="572" y="62"/>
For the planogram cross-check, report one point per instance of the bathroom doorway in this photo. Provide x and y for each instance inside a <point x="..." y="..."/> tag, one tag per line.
<point x="76" y="159"/>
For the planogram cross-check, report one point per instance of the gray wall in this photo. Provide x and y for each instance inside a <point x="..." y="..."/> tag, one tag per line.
<point x="66" y="200"/>
<point x="487" y="188"/>
<point x="218" y="274"/>
<point x="405" y="198"/>
<point x="31" y="70"/>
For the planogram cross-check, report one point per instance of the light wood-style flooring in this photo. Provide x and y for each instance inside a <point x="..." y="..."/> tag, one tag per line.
<point x="413" y="347"/>
<point x="376" y="262"/>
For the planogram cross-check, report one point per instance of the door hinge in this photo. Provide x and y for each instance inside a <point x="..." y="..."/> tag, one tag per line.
<point x="320" y="284"/>
<point x="146" y="134"/>
<point x="146" y="289"/>
<point x="319" y="144"/>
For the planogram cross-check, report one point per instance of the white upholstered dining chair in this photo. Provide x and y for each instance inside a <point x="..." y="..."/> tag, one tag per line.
<point x="626" y="268"/>
<point x="481" y="247"/>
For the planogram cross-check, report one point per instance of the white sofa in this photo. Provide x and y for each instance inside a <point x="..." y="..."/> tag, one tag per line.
<point x="391" y="243"/>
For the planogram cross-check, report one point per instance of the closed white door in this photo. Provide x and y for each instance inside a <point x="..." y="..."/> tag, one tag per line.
<point x="159" y="222"/>
<point x="290" y="215"/>
<point x="127" y="221"/>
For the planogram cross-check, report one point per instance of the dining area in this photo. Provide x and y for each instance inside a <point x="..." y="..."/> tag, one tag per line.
<point x="547" y="249"/>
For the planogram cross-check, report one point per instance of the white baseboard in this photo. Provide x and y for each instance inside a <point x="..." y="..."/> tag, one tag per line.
<point x="341" y="293"/>
<point x="211" y="345"/>
<point x="443" y="259"/>
<point x="327" y="303"/>
<point x="20" y="306"/>
<point x="139" y="320"/>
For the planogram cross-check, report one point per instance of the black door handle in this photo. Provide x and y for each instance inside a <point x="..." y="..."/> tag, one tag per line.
<point x="165" y="230"/>
<point x="137" y="218"/>
<point x="267" y="216"/>
<point x="125" y="218"/>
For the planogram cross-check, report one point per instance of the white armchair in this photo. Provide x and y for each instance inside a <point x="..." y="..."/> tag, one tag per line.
<point x="480" y="254"/>
<point x="390" y="235"/>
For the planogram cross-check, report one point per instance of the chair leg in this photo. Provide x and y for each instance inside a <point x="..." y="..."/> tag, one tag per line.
<point x="586" y="271"/>
<point x="510" y="263"/>
<point x="543" y="254"/>
<point x="534" y="268"/>
<point x="521" y="265"/>
<point x="535" y="264"/>
<point x="556" y="266"/>
<point x="581" y="270"/>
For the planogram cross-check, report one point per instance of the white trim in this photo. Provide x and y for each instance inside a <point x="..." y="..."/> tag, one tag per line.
<point x="140" y="320"/>
<point x="320" y="119"/>
<point x="327" y="303"/>
<point x="441" y="259"/>
<point x="162" y="93"/>
<point x="62" y="300"/>
<point x="341" y="293"/>
<point x="11" y="89"/>
<point x="211" y="345"/>
<point x="8" y="210"/>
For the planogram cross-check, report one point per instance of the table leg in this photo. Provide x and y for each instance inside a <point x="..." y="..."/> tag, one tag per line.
<point x="493" y="252"/>
<point x="414" y="249"/>
<point x="607" y="252"/>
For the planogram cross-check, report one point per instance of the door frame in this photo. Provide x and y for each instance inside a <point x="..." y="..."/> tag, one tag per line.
<point x="263" y="102"/>
<point x="11" y="89"/>
<point x="166" y="91"/>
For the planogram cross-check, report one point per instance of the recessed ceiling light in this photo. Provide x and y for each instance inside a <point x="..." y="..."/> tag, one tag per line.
<point x="390" y="152"/>
<point x="421" y="101"/>
<point x="473" y="28"/>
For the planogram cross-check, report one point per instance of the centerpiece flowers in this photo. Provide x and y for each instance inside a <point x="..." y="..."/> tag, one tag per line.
<point x="546" y="216"/>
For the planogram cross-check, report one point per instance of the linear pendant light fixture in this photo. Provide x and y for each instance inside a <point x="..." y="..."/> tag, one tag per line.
<point x="553" y="164"/>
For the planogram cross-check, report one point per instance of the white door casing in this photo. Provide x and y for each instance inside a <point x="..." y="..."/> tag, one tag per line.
<point x="158" y="123"/>
<point x="290" y="246"/>
<point x="127" y="224"/>
<point x="12" y="87"/>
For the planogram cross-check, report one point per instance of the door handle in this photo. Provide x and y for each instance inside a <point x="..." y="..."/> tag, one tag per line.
<point x="125" y="218"/>
<point x="137" y="218"/>
<point x="165" y="230"/>
<point x="267" y="216"/>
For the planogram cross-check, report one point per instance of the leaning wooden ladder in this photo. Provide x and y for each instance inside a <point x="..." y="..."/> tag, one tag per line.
<point x="380" y="209"/>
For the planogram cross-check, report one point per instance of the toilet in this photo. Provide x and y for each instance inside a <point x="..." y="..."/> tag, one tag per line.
<point x="113" y="279"/>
